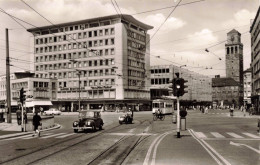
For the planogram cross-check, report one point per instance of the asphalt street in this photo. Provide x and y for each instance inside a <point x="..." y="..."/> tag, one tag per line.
<point x="213" y="138"/>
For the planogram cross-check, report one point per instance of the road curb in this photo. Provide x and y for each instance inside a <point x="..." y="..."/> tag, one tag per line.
<point x="57" y="126"/>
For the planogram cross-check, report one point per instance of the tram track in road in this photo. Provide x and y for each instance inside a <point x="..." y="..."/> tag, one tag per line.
<point x="42" y="155"/>
<point x="115" y="151"/>
<point x="36" y="155"/>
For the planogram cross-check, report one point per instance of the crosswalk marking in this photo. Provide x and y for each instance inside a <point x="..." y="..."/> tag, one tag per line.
<point x="200" y="135"/>
<point x="63" y="136"/>
<point x="234" y="135"/>
<point x="31" y="137"/>
<point x="217" y="135"/>
<point x="251" y="135"/>
<point x="45" y="137"/>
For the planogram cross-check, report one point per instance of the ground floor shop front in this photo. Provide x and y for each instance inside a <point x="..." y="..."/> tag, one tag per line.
<point x="104" y="105"/>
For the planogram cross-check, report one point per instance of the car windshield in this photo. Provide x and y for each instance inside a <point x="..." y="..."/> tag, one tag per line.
<point x="86" y="114"/>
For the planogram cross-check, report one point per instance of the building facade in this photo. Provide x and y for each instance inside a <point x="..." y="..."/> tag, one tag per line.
<point x="225" y="92"/>
<point x="199" y="87"/>
<point x="101" y="62"/>
<point x="247" y="86"/>
<point x="255" y="61"/>
<point x="39" y="91"/>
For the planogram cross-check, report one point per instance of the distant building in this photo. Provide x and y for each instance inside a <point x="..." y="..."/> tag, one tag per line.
<point x="198" y="86"/>
<point x="39" y="91"/>
<point x="108" y="56"/>
<point x="255" y="60"/>
<point x="225" y="92"/>
<point x="247" y="86"/>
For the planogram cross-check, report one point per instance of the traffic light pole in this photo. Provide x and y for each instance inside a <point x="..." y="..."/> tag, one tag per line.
<point x="178" y="118"/>
<point x="22" y="125"/>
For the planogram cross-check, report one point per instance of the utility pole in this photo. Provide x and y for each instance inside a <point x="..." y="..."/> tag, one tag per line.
<point x="79" y="87"/>
<point x="8" y="92"/>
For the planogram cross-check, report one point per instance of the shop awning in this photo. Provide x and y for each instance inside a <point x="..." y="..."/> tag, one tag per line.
<point x="38" y="103"/>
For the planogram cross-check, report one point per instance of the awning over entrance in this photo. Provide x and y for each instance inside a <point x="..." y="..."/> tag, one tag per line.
<point x="38" y="102"/>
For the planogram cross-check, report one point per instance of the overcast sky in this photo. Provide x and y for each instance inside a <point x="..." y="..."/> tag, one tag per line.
<point x="182" y="39"/>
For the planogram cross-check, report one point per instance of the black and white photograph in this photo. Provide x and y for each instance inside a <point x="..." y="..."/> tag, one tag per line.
<point x="130" y="82"/>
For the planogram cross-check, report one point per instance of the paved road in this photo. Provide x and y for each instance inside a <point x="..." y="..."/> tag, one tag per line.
<point x="213" y="138"/>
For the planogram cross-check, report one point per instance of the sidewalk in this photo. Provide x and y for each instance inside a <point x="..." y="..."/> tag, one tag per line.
<point x="9" y="130"/>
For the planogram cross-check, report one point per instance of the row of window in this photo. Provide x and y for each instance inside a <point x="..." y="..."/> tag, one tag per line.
<point x="75" y="45"/>
<point x="160" y="81"/>
<point x="163" y="70"/>
<point x="75" y="36"/>
<point x="69" y="65"/>
<point x="107" y="93"/>
<point x="37" y="84"/>
<point x="19" y="85"/>
<point x="85" y="83"/>
<point x="135" y="73"/>
<point x="233" y="50"/>
<point x="134" y="54"/>
<point x="138" y="83"/>
<point x="89" y="73"/>
<point x="136" y="64"/>
<point x="136" y="35"/>
<point x="75" y="55"/>
<point x="136" y="45"/>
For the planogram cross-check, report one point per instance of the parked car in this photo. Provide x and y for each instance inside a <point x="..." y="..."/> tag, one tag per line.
<point x="52" y="111"/>
<point x="88" y="119"/>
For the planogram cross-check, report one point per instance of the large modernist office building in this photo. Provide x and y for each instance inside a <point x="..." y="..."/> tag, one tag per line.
<point x="107" y="57"/>
<point x="255" y="61"/>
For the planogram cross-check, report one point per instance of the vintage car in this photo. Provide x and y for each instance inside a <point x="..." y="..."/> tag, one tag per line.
<point x="52" y="111"/>
<point x="88" y="119"/>
<point x="126" y="118"/>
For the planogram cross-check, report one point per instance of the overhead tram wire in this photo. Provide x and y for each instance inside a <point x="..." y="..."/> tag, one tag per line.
<point x="39" y="28"/>
<point x="167" y="7"/>
<point x="164" y="22"/>
<point x="116" y="11"/>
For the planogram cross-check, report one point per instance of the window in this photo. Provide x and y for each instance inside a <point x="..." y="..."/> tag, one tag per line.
<point x="106" y="41"/>
<point x="95" y="33"/>
<point x="106" y="51"/>
<point x="100" y="32"/>
<point x="112" y="41"/>
<point x="100" y="42"/>
<point x="106" y="32"/>
<point x="112" y="51"/>
<point x="89" y="34"/>
<point x="112" y="31"/>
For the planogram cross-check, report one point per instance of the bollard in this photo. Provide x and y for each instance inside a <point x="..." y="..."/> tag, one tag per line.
<point x="183" y="123"/>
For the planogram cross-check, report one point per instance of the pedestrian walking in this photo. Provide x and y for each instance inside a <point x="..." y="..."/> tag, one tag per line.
<point x="206" y="110"/>
<point x="244" y="110"/>
<point x="36" y="123"/>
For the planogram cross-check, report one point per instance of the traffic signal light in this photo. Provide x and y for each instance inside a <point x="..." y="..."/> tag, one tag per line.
<point x="183" y="86"/>
<point x="22" y="96"/>
<point x="177" y="87"/>
<point x="172" y="85"/>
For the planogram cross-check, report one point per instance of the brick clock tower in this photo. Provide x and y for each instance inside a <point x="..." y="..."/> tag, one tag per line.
<point x="234" y="56"/>
<point x="234" y="59"/>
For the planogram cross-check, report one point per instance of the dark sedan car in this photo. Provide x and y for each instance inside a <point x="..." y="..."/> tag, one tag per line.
<point x="88" y="120"/>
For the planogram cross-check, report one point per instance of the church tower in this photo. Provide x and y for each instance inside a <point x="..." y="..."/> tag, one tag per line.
<point x="234" y="56"/>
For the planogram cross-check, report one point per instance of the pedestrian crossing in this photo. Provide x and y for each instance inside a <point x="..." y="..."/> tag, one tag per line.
<point x="227" y="135"/>
<point x="43" y="136"/>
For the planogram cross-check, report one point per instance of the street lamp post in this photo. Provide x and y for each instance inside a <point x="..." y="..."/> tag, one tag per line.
<point x="79" y="87"/>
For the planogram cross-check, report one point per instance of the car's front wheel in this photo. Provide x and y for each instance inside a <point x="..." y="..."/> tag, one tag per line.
<point x="94" y="128"/>
<point x="100" y="127"/>
<point x="76" y="130"/>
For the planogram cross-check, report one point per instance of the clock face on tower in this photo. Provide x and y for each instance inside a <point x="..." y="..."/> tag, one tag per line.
<point x="232" y="38"/>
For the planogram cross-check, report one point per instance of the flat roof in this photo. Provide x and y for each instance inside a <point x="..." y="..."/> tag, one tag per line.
<point x="93" y="20"/>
